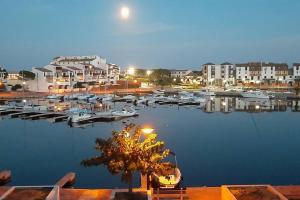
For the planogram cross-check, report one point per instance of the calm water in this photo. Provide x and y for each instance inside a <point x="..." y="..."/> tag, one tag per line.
<point x="213" y="148"/>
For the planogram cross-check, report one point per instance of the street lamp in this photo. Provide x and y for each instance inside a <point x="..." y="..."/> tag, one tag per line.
<point x="148" y="72"/>
<point x="147" y="130"/>
<point x="130" y="71"/>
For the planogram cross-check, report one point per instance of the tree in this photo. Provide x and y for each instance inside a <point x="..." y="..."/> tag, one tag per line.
<point x="126" y="153"/>
<point x="16" y="87"/>
<point x="26" y="74"/>
<point x="161" y="77"/>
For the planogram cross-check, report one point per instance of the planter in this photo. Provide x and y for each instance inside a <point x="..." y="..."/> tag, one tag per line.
<point x="249" y="192"/>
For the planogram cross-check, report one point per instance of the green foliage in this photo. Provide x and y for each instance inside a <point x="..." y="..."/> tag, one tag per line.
<point x="125" y="153"/>
<point x="161" y="77"/>
<point x="16" y="87"/>
<point x="27" y="74"/>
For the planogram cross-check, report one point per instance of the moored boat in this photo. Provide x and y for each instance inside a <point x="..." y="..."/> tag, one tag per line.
<point x="79" y="117"/>
<point x="255" y="94"/>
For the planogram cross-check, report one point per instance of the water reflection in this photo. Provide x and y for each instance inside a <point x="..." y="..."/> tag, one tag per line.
<point x="230" y="104"/>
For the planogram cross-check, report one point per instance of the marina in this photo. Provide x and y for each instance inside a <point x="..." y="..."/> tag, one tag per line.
<point x="249" y="117"/>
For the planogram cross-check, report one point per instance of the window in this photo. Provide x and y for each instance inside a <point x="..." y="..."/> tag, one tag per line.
<point x="271" y="76"/>
<point x="258" y="78"/>
<point x="265" y="77"/>
<point x="245" y="76"/>
<point x="251" y="77"/>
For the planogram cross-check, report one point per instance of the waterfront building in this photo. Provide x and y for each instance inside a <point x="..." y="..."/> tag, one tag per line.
<point x="179" y="74"/>
<point x="113" y="73"/>
<point x="44" y="80"/>
<point x="258" y="72"/>
<point x="194" y="77"/>
<point x="64" y="72"/>
<point x="13" y="75"/>
<point x="2" y="74"/>
<point x="219" y="74"/>
<point x="296" y="71"/>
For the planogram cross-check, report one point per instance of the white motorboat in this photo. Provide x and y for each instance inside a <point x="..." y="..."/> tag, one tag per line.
<point x="55" y="96"/>
<point x="6" y="107"/>
<point x="206" y="92"/>
<point x="255" y="94"/>
<point x="107" y="97"/>
<point x="158" y="91"/>
<point x="85" y="96"/>
<point x="125" y="113"/>
<point x="200" y="100"/>
<point x="169" y="179"/>
<point x="79" y="117"/>
<point x="129" y="98"/>
<point x="35" y="108"/>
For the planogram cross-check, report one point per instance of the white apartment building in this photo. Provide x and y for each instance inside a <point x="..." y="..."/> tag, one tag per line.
<point x="218" y="74"/>
<point x="95" y="68"/>
<point x="296" y="70"/>
<point x="64" y="72"/>
<point x="113" y="73"/>
<point x="2" y="74"/>
<point x="179" y="73"/>
<point x="257" y="72"/>
<point x="44" y="80"/>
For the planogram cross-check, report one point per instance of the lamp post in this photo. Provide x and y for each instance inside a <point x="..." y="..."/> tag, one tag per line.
<point x="23" y="86"/>
<point x="148" y="75"/>
<point x="130" y="71"/>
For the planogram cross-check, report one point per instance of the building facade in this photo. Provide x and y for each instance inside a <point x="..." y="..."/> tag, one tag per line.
<point x="259" y="72"/>
<point x="219" y="74"/>
<point x="64" y="72"/>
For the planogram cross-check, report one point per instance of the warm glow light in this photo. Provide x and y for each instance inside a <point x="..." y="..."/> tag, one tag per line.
<point x="194" y="81"/>
<point x="224" y="103"/>
<point x="58" y="82"/>
<point x="148" y="72"/>
<point x="24" y="101"/>
<point x="24" y="83"/>
<point x="147" y="130"/>
<point x="125" y="12"/>
<point x="174" y="79"/>
<point x="135" y="81"/>
<point x="131" y="71"/>
<point x="257" y="107"/>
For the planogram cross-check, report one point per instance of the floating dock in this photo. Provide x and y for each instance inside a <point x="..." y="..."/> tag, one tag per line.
<point x="7" y="112"/>
<point x="44" y="115"/>
<point x="23" y="114"/>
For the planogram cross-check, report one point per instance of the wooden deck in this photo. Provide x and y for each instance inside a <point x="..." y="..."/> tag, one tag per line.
<point x="85" y="194"/>
<point x="191" y="193"/>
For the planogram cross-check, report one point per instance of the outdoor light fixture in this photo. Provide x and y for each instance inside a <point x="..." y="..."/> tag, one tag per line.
<point x="224" y="103"/>
<point x="147" y="130"/>
<point x="257" y="107"/>
<point x="148" y="72"/>
<point x="24" y="100"/>
<point x="135" y="81"/>
<point x="131" y="71"/>
<point x="24" y="83"/>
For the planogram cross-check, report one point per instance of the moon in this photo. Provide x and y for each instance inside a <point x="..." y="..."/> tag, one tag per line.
<point x="125" y="12"/>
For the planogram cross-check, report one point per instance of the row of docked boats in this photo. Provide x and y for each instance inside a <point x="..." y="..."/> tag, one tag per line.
<point x="86" y="115"/>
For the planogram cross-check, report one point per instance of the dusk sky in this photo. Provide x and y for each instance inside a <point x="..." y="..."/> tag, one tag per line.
<point x="159" y="33"/>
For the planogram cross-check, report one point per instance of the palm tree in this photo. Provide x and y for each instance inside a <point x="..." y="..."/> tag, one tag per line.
<point x="125" y="153"/>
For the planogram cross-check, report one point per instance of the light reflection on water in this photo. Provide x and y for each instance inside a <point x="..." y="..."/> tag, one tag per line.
<point x="248" y="145"/>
